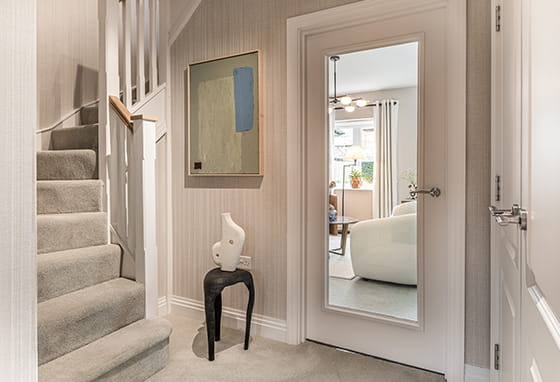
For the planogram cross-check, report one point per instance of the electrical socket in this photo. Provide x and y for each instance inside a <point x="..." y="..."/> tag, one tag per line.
<point x="245" y="262"/>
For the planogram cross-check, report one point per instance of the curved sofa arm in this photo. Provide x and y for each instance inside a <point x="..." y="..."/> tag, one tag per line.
<point x="405" y="208"/>
<point x="385" y="249"/>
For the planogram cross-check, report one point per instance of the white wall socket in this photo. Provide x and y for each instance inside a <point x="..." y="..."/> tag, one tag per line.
<point x="245" y="262"/>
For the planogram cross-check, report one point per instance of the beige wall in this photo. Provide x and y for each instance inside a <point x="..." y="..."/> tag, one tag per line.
<point x="221" y="27"/>
<point x="18" y="226"/>
<point x="66" y="57"/>
<point x="357" y="203"/>
<point x="478" y="185"/>
<point x="217" y="28"/>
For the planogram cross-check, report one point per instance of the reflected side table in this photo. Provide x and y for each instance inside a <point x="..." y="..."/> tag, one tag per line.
<point x="345" y="221"/>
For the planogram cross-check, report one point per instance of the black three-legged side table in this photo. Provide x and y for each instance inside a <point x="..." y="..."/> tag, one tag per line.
<point x="214" y="283"/>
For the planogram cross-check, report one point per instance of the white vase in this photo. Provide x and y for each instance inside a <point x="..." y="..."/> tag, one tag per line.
<point x="226" y="252"/>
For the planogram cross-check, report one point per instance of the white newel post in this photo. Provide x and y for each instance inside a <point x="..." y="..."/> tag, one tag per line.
<point x="142" y="200"/>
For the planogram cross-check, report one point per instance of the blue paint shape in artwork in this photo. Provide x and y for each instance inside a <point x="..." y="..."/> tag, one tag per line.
<point x="244" y="98"/>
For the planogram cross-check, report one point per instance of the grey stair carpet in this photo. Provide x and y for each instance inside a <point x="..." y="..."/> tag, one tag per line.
<point x="75" y="319"/>
<point x="130" y="354"/>
<point x="73" y="138"/>
<point x="90" y="322"/>
<point x="66" y="196"/>
<point x="89" y="115"/>
<point x="57" y="232"/>
<point x="63" y="272"/>
<point x="66" y="165"/>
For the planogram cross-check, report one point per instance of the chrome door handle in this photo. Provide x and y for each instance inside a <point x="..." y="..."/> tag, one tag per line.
<point x="516" y="215"/>
<point x="434" y="192"/>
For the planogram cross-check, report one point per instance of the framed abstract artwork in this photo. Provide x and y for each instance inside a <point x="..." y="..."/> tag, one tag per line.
<point x="224" y="124"/>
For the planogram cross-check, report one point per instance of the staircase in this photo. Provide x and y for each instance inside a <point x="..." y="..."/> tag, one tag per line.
<point x="91" y="324"/>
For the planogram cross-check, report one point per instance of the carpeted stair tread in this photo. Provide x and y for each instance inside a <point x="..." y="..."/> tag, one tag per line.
<point x="89" y="115"/>
<point x="67" y="271"/>
<point x="58" y="232"/>
<point x="68" y="322"/>
<point x="114" y="357"/>
<point x="65" y="196"/>
<point x="72" y="138"/>
<point x="66" y="165"/>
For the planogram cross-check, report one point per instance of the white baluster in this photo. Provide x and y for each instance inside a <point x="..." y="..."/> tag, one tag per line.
<point x="108" y="12"/>
<point x="127" y="65"/>
<point x="153" y="46"/>
<point x="140" y="52"/>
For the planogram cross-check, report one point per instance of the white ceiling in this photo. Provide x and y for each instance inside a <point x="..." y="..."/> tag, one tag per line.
<point x="376" y="69"/>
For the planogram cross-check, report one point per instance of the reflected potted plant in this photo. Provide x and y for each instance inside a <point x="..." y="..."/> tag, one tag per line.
<point x="356" y="178"/>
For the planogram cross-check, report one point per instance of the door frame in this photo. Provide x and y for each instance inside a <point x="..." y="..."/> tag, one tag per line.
<point x="298" y="30"/>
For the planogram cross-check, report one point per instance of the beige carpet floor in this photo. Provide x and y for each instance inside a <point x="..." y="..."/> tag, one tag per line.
<point x="389" y="299"/>
<point x="271" y="361"/>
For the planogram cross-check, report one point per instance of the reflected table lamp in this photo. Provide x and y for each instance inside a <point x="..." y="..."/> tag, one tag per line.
<point x="354" y="153"/>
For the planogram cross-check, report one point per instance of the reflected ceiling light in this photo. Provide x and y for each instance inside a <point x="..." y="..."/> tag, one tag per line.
<point x="346" y="102"/>
<point x="361" y="102"/>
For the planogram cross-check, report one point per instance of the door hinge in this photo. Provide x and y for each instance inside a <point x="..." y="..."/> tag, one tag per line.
<point x="497" y="181"/>
<point x="497" y="356"/>
<point x="498" y="18"/>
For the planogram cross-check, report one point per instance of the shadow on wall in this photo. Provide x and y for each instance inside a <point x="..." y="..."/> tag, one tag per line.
<point x="85" y="85"/>
<point x="247" y="182"/>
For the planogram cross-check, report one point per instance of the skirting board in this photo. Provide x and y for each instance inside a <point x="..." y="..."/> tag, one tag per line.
<point x="163" y="308"/>
<point x="476" y="374"/>
<point x="262" y="326"/>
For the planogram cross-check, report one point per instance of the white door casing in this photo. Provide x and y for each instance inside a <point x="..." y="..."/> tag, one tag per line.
<point x="438" y="343"/>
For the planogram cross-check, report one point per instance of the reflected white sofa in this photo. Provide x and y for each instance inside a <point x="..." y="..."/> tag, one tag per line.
<point x="385" y="249"/>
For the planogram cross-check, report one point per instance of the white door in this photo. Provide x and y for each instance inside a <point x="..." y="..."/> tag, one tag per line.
<point x="506" y="169"/>
<point x="420" y="342"/>
<point x="541" y="155"/>
<point x="526" y="288"/>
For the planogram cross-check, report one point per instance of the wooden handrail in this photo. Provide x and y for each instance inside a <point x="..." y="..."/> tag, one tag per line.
<point x="121" y="111"/>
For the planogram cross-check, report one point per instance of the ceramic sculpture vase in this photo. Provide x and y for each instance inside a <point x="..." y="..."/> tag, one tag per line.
<point x="227" y="251"/>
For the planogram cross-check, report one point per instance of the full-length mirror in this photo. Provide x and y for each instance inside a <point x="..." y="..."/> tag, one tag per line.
<point x="373" y="150"/>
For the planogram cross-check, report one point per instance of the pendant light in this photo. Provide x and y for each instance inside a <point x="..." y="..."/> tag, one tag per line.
<point x="346" y="102"/>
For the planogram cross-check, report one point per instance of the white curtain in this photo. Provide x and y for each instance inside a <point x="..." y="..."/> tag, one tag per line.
<point x="385" y="195"/>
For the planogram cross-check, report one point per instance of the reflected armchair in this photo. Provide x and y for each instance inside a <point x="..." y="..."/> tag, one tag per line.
<point x="385" y="249"/>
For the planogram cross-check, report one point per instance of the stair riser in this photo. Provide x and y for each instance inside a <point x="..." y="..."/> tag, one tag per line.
<point x="59" y="232"/>
<point x="64" y="272"/>
<point x="89" y="115"/>
<point x="60" y="332"/>
<point x="133" y="353"/>
<point x="74" y="138"/>
<point x="55" y="197"/>
<point x="66" y="165"/>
